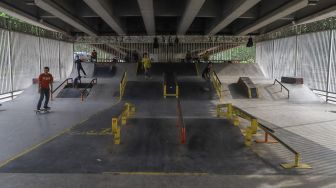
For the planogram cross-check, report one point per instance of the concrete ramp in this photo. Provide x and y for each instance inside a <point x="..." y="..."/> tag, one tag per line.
<point x="232" y="71"/>
<point x="88" y="67"/>
<point x="298" y="93"/>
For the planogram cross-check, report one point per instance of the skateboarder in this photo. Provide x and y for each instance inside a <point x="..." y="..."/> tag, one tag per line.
<point x="78" y="63"/>
<point x="45" y="86"/>
<point x="147" y="65"/>
<point x="206" y="75"/>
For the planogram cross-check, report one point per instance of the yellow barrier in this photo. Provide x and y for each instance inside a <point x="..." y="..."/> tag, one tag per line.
<point x="128" y="111"/>
<point x="165" y="94"/>
<point x="233" y="113"/>
<point x="122" y="85"/>
<point x="216" y="84"/>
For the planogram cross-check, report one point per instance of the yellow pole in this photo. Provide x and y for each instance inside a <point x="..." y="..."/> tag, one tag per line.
<point x="254" y="126"/>
<point x="229" y="111"/>
<point x="248" y="137"/>
<point x="297" y="160"/>
<point x="115" y="131"/>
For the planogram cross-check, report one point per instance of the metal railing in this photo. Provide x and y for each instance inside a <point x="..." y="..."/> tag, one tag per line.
<point x="180" y="123"/>
<point x="86" y="91"/>
<point x="65" y="81"/>
<point x="326" y="95"/>
<point x="234" y="112"/>
<point x="282" y="86"/>
<point x="11" y="94"/>
<point x="217" y="84"/>
<point x="128" y="110"/>
<point x="122" y="85"/>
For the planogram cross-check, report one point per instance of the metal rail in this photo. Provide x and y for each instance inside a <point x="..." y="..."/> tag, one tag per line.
<point x="325" y="95"/>
<point x="85" y="91"/>
<point x="65" y="81"/>
<point x="180" y="123"/>
<point x="282" y="86"/>
<point x="217" y="84"/>
<point x="233" y="112"/>
<point x="128" y="110"/>
<point x="122" y="85"/>
<point x="12" y="95"/>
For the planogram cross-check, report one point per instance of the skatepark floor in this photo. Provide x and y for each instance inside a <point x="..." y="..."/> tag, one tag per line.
<point x="54" y="149"/>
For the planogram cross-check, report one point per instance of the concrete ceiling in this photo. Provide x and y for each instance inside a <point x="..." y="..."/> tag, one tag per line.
<point x="166" y="17"/>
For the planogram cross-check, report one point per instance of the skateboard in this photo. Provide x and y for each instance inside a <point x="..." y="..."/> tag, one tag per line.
<point x="42" y="111"/>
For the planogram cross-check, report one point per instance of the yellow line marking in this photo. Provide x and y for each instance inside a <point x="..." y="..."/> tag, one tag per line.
<point x="51" y="138"/>
<point x="159" y="173"/>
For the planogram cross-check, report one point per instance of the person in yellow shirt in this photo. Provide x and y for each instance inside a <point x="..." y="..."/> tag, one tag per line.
<point x="146" y="62"/>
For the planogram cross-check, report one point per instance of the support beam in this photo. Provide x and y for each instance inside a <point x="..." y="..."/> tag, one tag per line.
<point x="11" y="11"/>
<point x="147" y="12"/>
<point x="321" y="15"/>
<point x="232" y="15"/>
<point x="59" y="12"/>
<point x="193" y="7"/>
<point x="283" y="11"/>
<point x="102" y="9"/>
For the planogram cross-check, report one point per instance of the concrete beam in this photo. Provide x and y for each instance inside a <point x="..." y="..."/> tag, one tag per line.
<point x="11" y="11"/>
<point x="324" y="14"/>
<point x="102" y="9"/>
<point x="62" y="14"/>
<point x="193" y="7"/>
<point x="321" y="15"/>
<point x="147" y="12"/>
<point x="283" y="11"/>
<point x="232" y="15"/>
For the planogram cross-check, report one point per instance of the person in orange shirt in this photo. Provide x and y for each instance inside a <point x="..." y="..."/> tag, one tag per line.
<point x="45" y="86"/>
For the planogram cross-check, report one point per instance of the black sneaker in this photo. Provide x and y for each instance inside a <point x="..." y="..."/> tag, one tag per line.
<point x="47" y="108"/>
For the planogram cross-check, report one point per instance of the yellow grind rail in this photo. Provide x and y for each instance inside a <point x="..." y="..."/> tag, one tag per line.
<point x="128" y="111"/>
<point x="122" y="85"/>
<point x="217" y="84"/>
<point x="233" y="113"/>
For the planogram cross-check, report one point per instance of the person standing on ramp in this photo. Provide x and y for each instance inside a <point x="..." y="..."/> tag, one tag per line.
<point x="147" y="65"/>
<point x="206" y="75"/>
<point x="78" y="63"/>
<point x="45" y="87"/>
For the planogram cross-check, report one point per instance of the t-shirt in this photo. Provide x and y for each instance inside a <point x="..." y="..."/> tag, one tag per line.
<point x="94" y="54"/>
<point x="146" y="62"/>
<point x="45" y="79"/>
<point x="79" y="63"/>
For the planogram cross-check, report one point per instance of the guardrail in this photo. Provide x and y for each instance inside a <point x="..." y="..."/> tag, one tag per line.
<point x="122" y="85"/>
<point x="217" y="84"/>
<point x="65" y="81"/>
<point x="11" y="94"/>
<point x="86" y="91"/>
<point x="282" y="86"/>
<point x="233" y="112"/>
<point x="165" y="94"/>
<point x="325" y="94"/>
<point x="128" y="110"/>
<point x="180" y="123"/>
